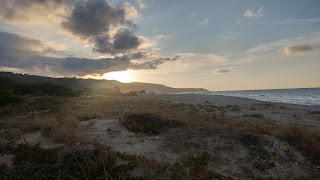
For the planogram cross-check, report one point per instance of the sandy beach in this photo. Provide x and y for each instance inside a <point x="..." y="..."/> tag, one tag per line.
<point x="227" y="100"/>
<point x="276" y="112"/>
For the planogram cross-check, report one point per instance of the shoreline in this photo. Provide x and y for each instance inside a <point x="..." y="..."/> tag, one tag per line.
<point x="223" y="100"/>
<point x="281" y="113"/>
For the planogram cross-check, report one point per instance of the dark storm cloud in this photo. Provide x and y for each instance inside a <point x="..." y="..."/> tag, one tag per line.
<point x="152" y="64"/>
<point x="93" y="18"/>
<point x="297" y="49"/>
<point x="124" y="41"/>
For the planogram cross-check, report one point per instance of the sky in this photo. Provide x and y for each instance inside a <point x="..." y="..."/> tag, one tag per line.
<point x="217" y="45"/>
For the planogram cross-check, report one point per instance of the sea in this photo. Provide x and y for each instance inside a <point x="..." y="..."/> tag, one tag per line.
<point x="301" y="96"/>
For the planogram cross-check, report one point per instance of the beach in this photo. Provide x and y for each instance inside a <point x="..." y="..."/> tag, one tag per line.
<point x="276" y="112"/>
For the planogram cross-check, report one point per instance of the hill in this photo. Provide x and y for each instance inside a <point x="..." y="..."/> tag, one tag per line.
<point x="77" y="83"/>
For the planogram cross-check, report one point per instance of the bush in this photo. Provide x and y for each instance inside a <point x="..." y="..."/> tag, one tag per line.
<point x="256" y="115"/>
<point x="8" y="97"/>
<point x="147" y="123"/>
<point x="131" y="93"/>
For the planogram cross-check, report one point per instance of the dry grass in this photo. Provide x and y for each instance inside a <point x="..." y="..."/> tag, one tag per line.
<point x="99" y="162"/>
<point x="49" y="124"/>
<point x="59" y="117"/>
<point x="147" y="123"/>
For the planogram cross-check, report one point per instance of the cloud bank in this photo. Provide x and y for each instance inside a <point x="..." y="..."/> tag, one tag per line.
<point x="29" y="55"/>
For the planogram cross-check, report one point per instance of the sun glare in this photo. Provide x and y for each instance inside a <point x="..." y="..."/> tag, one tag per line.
<point x="122" y="76"/>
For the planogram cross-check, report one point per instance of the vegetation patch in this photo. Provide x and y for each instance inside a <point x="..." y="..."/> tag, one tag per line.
<point x="8" y="97"/>
<point x="147" y="123"/>
<point x="75" y="163"/>
<point x="98" y="162"/>
<point x="249" y="140"/>
<point x="255" y="115"/>
<point x="260" y="157"/>
<point x="314" y="112"/>
<point x="306" y="141"/>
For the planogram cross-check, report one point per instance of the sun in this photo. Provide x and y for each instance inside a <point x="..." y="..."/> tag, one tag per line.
<point x="122" y="76"/>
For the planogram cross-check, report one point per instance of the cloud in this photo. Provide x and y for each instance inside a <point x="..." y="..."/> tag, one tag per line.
<point x="204" y="22"/>
<point x="294" y="21"/>
<point x="27" y="12"/>
<point x="93" y="18"/>
<point x="309" y="43"/>
<point x="152" y="64"/>
<point x="142" y="4"/>
<point x="84" y="66"/>
<point x="269" y="47"/>
<point x="29" y="55"/>
<point x="223" y="71"/>
<point x="26" y="54"/>
<point x="161" y="36"/>
<point x="130" y="12"/>
<point x="124" y="41"/>
<point x="139" y="55"/>
<point x="142" y="54"/>
<point x="252" y="13"/>
<point x="107" y="26"/>
<point x="297" y="49"/>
